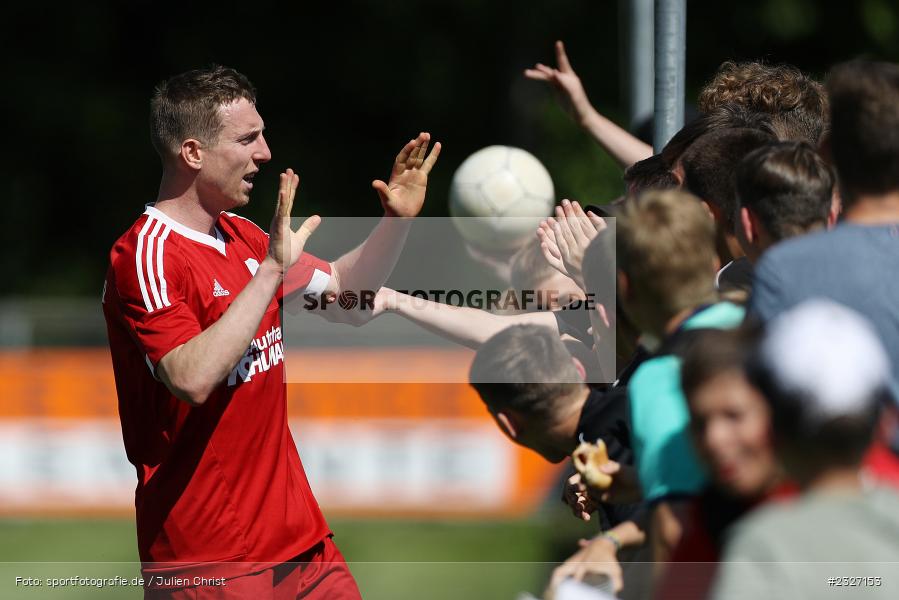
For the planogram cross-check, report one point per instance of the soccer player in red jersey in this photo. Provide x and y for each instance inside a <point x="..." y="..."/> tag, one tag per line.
<point x="191" y="301"/>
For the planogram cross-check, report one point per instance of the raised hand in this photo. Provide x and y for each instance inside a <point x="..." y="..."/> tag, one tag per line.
<point x="624" y="147"/>
<point x="404" y="194"/>
<point x="285" y="245"/>
<point x="565" y="82"/>
<point x="565" y="238"/>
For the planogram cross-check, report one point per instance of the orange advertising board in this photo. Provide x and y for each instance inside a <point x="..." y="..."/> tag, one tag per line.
<point x="369" y="449"/>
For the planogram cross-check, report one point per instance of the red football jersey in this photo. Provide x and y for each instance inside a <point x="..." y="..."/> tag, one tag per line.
<point x="222" y="481"/>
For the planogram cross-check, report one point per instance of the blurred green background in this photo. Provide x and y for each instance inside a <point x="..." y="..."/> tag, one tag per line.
<point x="341" y="86"/>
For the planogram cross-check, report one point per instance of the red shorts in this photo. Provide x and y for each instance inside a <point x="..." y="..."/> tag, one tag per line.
<point x="319" y="574"/>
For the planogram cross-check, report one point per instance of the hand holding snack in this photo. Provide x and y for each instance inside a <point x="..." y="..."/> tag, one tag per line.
<point x="588" y="459"/>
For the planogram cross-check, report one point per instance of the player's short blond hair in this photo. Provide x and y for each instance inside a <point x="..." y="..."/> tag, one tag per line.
<point x="188" y="106"/>
<point x="666" y="247"/>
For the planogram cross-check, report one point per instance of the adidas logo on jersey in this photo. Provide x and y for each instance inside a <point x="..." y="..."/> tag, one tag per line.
<point x="218" y="290"/>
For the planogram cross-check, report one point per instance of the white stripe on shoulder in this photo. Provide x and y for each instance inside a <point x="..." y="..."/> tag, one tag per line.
<point x="163" y="287"/>
<point x="150" y="270"/>
<point x="216" y="242"/>
<point x="138" y="259"/>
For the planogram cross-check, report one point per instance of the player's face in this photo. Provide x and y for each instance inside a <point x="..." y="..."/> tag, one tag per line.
<point x="226" y="177"/>
<point x="731" y="427"/>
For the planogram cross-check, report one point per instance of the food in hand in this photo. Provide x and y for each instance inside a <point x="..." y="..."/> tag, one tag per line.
<point x="588" y="458"/>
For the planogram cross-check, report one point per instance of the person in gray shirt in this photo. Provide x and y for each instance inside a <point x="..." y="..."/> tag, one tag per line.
<point x="825" y="375"/>
<point x="856" y="263"/>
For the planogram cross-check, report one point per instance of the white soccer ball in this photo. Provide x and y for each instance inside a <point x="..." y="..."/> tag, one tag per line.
<point x="498" y="197"/>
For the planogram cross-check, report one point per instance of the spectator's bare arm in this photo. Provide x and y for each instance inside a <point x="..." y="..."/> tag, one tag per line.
<point x="624" y="147"/>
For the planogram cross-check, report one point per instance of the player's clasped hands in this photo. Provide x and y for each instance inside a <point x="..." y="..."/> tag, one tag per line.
<point x="565" y="237"/>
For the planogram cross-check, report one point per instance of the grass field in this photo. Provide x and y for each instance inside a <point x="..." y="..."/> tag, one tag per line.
<point x="392" y="559"/>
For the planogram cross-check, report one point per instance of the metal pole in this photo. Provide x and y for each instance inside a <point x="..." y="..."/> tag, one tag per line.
<point x="670" y="52"/>
<point x="638" y="22"/>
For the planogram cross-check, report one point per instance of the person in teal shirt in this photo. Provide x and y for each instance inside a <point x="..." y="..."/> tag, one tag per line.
<point x="667" y="464"/>
<point x="667" y="263"/>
